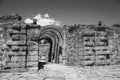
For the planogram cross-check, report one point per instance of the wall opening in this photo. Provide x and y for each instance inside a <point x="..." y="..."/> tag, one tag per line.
<point x="45" y="52"/>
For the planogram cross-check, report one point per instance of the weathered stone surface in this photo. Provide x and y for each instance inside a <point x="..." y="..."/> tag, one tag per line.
<point x="10" y="18"/>
<point x="103" y="62"/>
<point x="33" y="48"/>
<point x="32" y="43"/>
<point x="85" y="44"/>
<point x="32" y="58"/>
<point x="89" y="63"/>
<point x="17" y="53"/>
<point x="20" y="69"/>
<point x="32" y="64"/>
<point x="100" y="57"/>
<point x="17" y="58"/>
<point x="16" y="65"/>
<point x="33" y="32"/>
<point x="33" y="53"/>
<point x="16" y="42"/>
<point x="87" y="58"/>
<point x="32" y="68"/>
<point x="19" y="37"/>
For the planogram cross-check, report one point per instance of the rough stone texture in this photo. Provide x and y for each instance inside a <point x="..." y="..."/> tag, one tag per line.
<point x="84" y="44"/>
<point x="11" y="34"/>
<point x="97" y="45"/>
<point x="73" y="49"/>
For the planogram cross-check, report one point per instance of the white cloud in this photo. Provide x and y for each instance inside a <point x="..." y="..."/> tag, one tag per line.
<point x="28" y="20"/>
<point x="43" y="20"/>
<point x="38" y="16"/>
<point x="46" y="15"/>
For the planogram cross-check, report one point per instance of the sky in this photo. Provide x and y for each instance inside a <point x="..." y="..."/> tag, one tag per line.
<point x="66" y="11"/>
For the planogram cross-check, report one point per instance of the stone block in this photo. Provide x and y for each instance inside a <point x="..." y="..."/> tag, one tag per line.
<point x="16" y="65"/>
<point x="32" y="64"/>
<point x="18" y="69"/>
<point x="17" y="53"/>
<point x="22" y="69"/>
<point x="23" y="30"/>
<point x="100" y="57"/>
<point x="11" y="30"/>
<point x="32" y="43"/>
<point x="44" y="49"/>
<point x="80" y="53"/>
<point x="33" y="32"/>
<point x="88" y="53"/>
<point x="33" y="53"/>
<point x="80" y="58"/>
<point x="18" y="47"/>
<point x="102" y="62"/>
<point x="32" y="48"/>
<point x="88" y="63"/>
<point x="89" y="58"/>
<point x="32" y="68"/>
<point x="102" y="52"/>
<point x="16" y="42"/>
<point x="19" y="37"/>
<point x="32" y="58"/>
<point x="17" y="58"/>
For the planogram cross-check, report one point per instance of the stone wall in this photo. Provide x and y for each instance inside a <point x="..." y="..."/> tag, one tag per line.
<point x="74" y="52"/>
<point x="13" y="44"/>
<point x="19" y="45"/>
<point x="92" y="45"/>
<point x="84" y="45"/>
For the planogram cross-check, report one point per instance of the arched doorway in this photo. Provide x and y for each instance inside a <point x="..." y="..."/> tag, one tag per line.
<point x="45" y="49"/>
<point x="53" y="37"/>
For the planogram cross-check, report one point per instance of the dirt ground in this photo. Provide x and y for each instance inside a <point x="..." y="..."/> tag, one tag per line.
<point x="62" y="72"/>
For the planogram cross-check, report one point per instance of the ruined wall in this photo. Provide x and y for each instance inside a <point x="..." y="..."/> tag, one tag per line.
<point x="92" y="45"/>
<point x="84" y="45"/>
<point x="114" y="46"/>
<point x="13" y="43"/>
<point x="32" y="33"/>
<point x="74" y="50"/>
<point x="19" y="45"/>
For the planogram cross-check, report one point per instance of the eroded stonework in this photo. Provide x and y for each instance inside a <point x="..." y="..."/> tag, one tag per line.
<point x="24" y="46"/>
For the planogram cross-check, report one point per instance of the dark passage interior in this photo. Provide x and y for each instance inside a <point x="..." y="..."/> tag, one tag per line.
<point x="44" y="43"/>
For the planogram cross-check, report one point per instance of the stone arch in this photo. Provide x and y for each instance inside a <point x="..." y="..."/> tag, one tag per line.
<point x="57" y="30"/>
<point x="55" y="34"/>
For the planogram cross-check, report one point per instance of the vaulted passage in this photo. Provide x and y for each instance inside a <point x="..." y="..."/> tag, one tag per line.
<point x="45" y="49"/>
<point x="50" y="45"/>
<point x="54" y="37"/>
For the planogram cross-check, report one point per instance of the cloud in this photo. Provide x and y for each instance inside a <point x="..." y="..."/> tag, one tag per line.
<point x="43" y="20"/>
<point x="28" y="20"/>
<point x="46" y="15"/>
